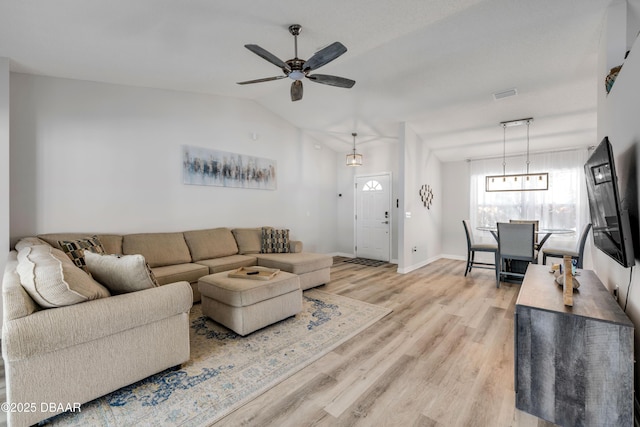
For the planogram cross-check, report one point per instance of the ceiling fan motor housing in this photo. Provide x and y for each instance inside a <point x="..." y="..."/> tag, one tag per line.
<point x="296" y="65"/>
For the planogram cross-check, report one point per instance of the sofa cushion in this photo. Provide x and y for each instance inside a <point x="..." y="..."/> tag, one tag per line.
<point x="53" y="280"/>
<point x="121" y="274"/>
<point x="297" y="263"/>
<point x="216" y="265"/>
<point x="249" y="240"/>
<point x="274" y="240"/>
<point x="112" y="243"/>
<point x="180" y="272"/>
<point x="75" y="249"/>
<point x="211" y="243"/>
<point x="159" y="249"/>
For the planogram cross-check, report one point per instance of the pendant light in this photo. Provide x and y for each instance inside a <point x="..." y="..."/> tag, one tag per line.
<point x="354" y="159"/>
<point x="516" y="182"/>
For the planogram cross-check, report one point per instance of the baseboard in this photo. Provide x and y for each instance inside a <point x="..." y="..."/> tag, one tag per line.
<point x="342" y="254"/>
<point x="455" y="257"/>
<point x="418" y="265"/>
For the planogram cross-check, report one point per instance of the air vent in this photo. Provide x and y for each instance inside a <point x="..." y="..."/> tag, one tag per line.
<point x="505" y="94"/>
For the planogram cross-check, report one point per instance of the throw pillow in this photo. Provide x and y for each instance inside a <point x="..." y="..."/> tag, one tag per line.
<point x="53" y="280"/>
<point x="275" y="241"/>
<point x="29" y="241"/>
<point x="120" y="273"/>
<point x="75" y="249"/>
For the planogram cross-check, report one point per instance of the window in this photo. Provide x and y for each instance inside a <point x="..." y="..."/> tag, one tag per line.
<point x="562" y="206"/>
<point x="372" y="186"/>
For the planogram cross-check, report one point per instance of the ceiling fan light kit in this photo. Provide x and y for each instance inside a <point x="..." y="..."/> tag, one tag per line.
<point x="516" y="182"/>
<point x="298" y="69"/>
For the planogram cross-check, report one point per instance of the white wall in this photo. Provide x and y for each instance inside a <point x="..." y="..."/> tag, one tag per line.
<point x="618" y="119"/>
<point x="455" y="207"/>
<point x="95" y="157"/>
<point x="4" y="166"/>
<point x="422" y="230"/>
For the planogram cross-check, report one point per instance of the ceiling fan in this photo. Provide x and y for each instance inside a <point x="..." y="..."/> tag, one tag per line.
<point x="297" y="69"/>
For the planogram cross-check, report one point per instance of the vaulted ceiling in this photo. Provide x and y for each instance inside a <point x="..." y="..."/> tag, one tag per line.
<point x="433" y="64"/>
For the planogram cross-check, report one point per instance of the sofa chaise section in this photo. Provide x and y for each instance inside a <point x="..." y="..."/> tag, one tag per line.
<point x="313" y="269"/>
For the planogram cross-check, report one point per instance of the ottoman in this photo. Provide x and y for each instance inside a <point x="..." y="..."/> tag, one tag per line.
<point x="246" y="305"/>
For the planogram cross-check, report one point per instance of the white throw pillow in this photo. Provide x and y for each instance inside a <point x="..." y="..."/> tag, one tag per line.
<point x="26" y="242"/>
<point x="120" y="274"/>
<point x="53" y="280"/>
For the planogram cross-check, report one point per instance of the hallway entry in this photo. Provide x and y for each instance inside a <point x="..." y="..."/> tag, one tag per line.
<point x="373" y="216"/>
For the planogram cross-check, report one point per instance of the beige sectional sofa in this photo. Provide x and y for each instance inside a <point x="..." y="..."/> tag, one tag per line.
<point x="189" y="255"/>
<point x="76" y="353"/>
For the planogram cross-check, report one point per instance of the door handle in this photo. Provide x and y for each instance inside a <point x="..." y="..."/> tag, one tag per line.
<point x="385" y="222"/>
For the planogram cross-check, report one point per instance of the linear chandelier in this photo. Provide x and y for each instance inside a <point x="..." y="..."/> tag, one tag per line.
<point x="354" y="159"/>
<point x="516" y="182"/>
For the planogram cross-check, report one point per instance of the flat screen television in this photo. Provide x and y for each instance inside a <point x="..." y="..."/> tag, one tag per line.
<point x="611" y="230"/>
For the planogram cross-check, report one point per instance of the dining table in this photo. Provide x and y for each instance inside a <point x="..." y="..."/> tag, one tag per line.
<point x="544" y="232"/>
<point x="521" y="266"/>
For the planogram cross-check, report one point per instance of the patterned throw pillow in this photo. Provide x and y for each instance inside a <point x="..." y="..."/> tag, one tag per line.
<point x="75" y="249"/>
<point x="274" y="241"/>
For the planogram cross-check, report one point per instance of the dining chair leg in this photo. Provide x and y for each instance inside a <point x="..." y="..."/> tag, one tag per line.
<point x="498" y="270"/>
<point x="544" y="259"/>
<point x="467" y="267"/>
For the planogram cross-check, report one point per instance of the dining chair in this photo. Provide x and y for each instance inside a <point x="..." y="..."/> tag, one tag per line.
<point x="515" y="243"/>
<point x="577" y="254"/>
<point x="535" y="222"/>
<point x="473" y="247"/>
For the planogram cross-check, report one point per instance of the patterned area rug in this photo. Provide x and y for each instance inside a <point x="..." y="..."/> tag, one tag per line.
<point x="227" y="370"/>
<point x="365" y="261"/>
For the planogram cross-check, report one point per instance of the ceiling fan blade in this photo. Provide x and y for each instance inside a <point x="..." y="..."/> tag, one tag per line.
<point x="268" y="56"/>
<point x="266" y="79"/>
<point x="296" y="90"/>
<point x="332" y="80"/>
<point x="324" y="56"/>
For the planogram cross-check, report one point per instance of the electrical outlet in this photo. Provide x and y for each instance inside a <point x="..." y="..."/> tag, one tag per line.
<point x="616" y="292"/>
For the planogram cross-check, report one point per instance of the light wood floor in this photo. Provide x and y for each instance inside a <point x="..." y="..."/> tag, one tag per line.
<point x="444" y="357"/>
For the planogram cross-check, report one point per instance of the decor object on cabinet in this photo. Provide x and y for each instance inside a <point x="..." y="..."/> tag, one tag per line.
<point x="354" y="159"/>
<point x="426" y="195"/>
<point x="202" y="166"/>
<point x="516" y="182"/>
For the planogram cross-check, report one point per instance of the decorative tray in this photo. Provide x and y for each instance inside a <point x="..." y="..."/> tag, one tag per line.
<point x="254" y="273"/>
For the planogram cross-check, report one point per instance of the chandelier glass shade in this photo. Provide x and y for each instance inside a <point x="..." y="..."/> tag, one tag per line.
<point x="354" y="159"/>
<point x="516" y="182"/>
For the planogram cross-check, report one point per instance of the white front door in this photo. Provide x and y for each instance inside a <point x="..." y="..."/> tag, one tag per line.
<point x="373" y="216"/>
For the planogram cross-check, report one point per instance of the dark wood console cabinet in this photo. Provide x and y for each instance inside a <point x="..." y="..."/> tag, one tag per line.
<point x="573" y="365"/>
